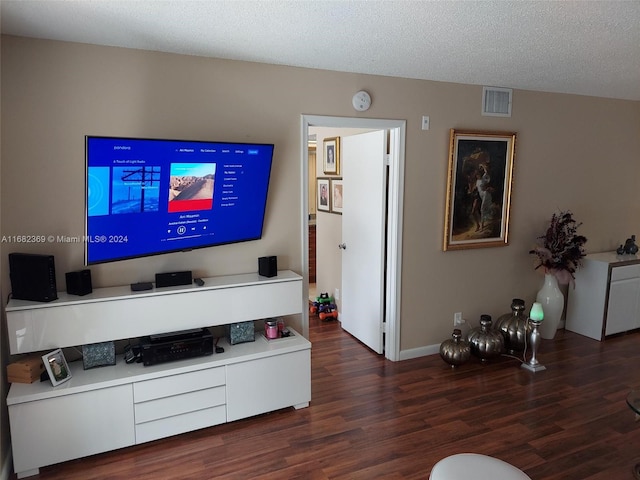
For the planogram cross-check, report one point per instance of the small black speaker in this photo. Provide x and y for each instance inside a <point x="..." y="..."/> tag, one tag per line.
<point x="33" y="277"/>
<point x="268" y="266"/>
<point x="173" y="279"/>
<point x="79" y="283"/>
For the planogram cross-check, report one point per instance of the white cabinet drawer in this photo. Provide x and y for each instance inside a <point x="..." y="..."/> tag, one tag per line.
<point x="187" y="422"/>
<point x="179" y="404"/>
<point x="625" y="272"/>
<point x="177" y="384"/>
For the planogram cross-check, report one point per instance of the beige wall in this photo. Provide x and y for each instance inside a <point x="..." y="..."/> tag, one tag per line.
<point x="572" y="152"/>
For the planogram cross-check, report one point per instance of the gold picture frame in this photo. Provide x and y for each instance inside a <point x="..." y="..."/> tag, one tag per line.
<point x="479" y="184"/>
<point x="331" y="161"/>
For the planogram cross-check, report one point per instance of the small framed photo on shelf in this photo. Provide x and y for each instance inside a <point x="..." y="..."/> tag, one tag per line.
<point x="336" y="195"/>
<point x="324" y="202"/>
<point x="57" y="367"/>
<point x="331" y="165"/>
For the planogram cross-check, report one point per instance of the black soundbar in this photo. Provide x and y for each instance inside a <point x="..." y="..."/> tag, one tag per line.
<point x="173" y="279"/>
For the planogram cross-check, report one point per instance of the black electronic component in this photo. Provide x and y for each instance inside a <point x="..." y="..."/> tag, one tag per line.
<point x="173" y="279"/>
<point x="79" y="283"/>
<point x="167" y="347"/>
<point x="141" y="286"/>
<point x="268" y="266"/>
<point x="33" y="277"/>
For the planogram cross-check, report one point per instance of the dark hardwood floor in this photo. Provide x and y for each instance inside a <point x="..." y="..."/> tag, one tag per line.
<point x="371" y="418"/>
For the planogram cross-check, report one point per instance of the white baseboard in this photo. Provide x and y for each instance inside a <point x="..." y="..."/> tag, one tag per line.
<point x="7" y="466"/>
<point x="419" y="352"/>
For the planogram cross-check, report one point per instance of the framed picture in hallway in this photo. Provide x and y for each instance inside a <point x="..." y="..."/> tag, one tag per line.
<point x="331" y="165"/>
<point x="323" y="203"/>
<point x="336" y="195"/>
<point x="478" y="189"/>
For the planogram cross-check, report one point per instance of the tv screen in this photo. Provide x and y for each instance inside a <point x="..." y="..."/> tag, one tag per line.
<point x="147" y="196"/>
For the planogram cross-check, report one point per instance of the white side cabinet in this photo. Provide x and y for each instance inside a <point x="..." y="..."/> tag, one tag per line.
<point x="276" y="381"/>
<point x="65" y="427"/>
<point x="126" y="404"/>
<point x="606" y="298"/>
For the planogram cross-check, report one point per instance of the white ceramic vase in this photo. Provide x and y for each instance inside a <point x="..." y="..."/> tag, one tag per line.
<point x="552" y="301"/>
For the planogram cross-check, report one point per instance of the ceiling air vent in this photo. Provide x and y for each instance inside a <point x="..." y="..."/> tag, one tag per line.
<point x="496" y="102"/>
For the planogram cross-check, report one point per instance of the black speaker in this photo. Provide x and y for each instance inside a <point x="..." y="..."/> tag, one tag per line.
<point x="172" y="279"/>
<point x="268" y="266"/>
<point x="79" y="283"/>
<point x="33" y="277"/>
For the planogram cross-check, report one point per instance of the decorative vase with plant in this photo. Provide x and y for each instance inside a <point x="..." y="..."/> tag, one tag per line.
<point x="560" y="254"/>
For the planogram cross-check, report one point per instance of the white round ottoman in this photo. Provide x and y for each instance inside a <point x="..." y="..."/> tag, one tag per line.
<point x="476" y="467"/>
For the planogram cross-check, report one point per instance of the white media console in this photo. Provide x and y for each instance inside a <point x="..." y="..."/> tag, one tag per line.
<point x="112" y="407"/>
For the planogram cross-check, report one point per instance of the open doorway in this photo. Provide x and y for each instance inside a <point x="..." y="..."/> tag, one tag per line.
<point x="325" y="220"/>
<point x="392" y="257"/>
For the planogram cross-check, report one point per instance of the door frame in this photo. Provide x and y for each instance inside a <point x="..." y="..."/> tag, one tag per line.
<point x="397" y="129"/>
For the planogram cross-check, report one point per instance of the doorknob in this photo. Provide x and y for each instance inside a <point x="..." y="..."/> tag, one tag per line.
<point x="342" y="246"/>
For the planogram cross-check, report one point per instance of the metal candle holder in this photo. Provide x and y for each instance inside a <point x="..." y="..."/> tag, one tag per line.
<point x="535" y="319"/>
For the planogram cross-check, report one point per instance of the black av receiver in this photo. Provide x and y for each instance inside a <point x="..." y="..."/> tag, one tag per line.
<point x="167" y="347"/>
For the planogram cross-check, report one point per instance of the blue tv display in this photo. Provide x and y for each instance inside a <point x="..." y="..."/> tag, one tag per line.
<point x="152" y="196"/>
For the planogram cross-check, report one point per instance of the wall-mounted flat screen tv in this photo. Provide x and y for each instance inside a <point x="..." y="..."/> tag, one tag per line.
<point x="150" y="196"/>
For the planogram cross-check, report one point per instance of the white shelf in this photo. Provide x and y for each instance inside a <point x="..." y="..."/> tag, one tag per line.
<point x="123" y="373"/>
<point x="109" y="294"/>
<point x="117" y="313"/>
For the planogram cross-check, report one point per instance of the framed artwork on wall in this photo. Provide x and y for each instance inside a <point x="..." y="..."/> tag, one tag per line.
<point x="331" y="164"/>
<point x="478" y="189"/>
<point x="323" y="203"/>
<point x="336" y="195"/>
<point x="57" y="367"/>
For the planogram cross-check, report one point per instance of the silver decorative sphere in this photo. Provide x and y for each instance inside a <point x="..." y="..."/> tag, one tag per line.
<point x="485" y="343"/>
<point x="514" y="327"/>
<point x="455" y="351"/>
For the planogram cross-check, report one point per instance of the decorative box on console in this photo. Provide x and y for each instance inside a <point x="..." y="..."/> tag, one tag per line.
<point x="25" y="370"/>
<point x="98" y="355"/>
<point x="241" y="332"/>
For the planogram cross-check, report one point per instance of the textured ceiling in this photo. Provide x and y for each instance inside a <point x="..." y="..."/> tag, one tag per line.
<point x="581" y="47"/>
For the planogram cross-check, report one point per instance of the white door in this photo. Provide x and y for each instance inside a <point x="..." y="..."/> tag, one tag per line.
<point x="364" y="174"/>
